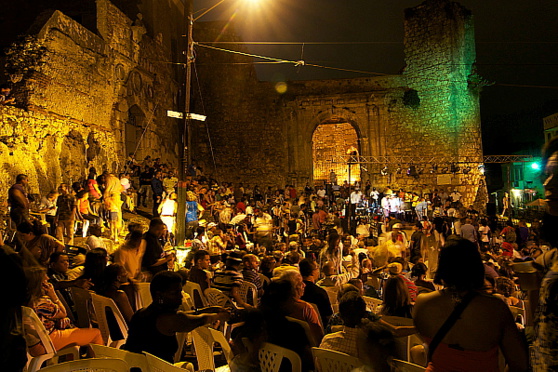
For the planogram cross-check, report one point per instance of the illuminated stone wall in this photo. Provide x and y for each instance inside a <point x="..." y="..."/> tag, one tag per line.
<point x="75" y="101"/>
<point x="430" y="110"/>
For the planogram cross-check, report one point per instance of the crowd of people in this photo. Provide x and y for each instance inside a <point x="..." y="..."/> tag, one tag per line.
<point x="314" y="256"/>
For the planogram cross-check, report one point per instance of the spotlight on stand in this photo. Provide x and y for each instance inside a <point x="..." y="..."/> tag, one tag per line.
<point x="434" y="169"/>
<point x="481" y="168"/>
<point x="398" y="170"/>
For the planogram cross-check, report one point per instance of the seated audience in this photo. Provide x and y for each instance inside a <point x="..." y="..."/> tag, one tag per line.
<point x="153" y="329"/>
<point x="312" y="293"/>
<point x="47" y="305"/>
<point x="485" y="325"/>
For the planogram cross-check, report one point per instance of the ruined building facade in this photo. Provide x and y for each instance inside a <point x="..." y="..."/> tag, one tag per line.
<point x="92" y="99"/>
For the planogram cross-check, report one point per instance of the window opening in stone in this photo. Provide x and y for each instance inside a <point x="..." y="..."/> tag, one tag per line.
<point x="334" y="141"/>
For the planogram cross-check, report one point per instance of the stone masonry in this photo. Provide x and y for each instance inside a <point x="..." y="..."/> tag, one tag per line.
<point x="430" y="110"/>
<point x="89" y="100"/>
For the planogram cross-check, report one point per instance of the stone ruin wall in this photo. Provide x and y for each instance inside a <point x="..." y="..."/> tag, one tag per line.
<point x="245" y="123"/>
<point x="439" y="49"/>
<point x="72" y="107"/>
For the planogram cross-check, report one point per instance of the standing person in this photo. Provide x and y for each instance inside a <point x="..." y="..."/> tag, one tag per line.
<point x="193" y="208"/>
<point x="48" y="206"/>
<point x="484" y="325"/>
<point x="65" y="214"/>
<point x="263" y="226"/>
<point x="92" y="185"/>
<point x="157" y="189"/>
<point x="167" y="210"/>
<point x="84" y="212"/>
<point x="505" y="204"/>
<point x="153" y="260"/>
<point x="417" y="246"/>
<point x="145" y="179"/>
<point x="18" y="200"/>
<point x="130" y="253"/>
<point x="113" y="205"/>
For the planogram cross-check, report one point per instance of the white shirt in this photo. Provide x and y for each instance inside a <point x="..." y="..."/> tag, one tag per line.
<point x="355" y="197"/>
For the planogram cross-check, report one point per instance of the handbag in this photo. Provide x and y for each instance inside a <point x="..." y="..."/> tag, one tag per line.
<point x="449" y="323"/>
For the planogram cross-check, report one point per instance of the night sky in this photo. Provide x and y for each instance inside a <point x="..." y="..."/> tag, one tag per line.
<point x="517" y="44"/>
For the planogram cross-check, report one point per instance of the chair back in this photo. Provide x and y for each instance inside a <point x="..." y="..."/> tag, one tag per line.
<point x="334" y="361"/>
<point x="143" y="298"/>
<point x="196" y="294"/>
<point x="318" y="312"/>
<point x="69" y="312"/>
<point x="518" y="314"/>
<point x="332" y="294"/>
<point x="373" y="304"/>
<point x="90" y="365"/>
<point x="271" y="356"/>
<point x="402" y="366"/>
<point x="134" y="360"/>
<point x="157" y="364"/>
<point x="204" y="339"/>
<point x="35" y="327"/>
<point x="187" y="303"/>
<point x="82" y="303"/>
<point x="249" y="292"/>
<point x="101" y="304"/>
<point x="217" y="298"/>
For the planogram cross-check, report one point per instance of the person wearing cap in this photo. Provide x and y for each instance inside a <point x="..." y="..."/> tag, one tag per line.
<point x="396" y="269"/>
<point x="229" y="279"/>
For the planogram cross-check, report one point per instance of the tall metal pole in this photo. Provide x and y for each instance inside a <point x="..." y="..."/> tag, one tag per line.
<point x="186" y="143"/>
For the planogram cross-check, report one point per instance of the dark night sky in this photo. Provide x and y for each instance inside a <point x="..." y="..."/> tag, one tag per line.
<point x="517" y="43"/>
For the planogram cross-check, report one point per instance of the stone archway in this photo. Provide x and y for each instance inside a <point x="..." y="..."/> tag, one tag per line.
<point x="331" y="140"/>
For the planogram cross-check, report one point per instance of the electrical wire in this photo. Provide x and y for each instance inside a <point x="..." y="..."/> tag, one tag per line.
<point x="203" y="111"/>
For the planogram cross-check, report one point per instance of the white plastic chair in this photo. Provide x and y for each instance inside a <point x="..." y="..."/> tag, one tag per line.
<point x="143" y="295"/>
<point x="248" y="288"/>
<point x="271" y="356"/>
<point x="82" y="303"/>
<point x="133" y="360"/>
<point x="204" y="340"/>
<point x="195" y="291"/>
<point x="217" y="298"/>
<point x="402" y="366"/>
<point x="183" y="337"/>
<point x="373" y="304"/>
<point x="90" y="365"/>
<point x="32" y="322"/>
<point x="332" y="294"/>
<point x="334" y="361"/>
<point x="157" y="364"/>
<point x="100" y="305"/>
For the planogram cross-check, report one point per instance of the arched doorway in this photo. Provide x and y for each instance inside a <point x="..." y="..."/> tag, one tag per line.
<point x="331" y="140"/>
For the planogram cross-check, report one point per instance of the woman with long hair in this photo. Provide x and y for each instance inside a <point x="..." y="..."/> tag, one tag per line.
<point x="131" y="251"/>
<point x="397" y="300"/>
<point x="49" y="309"/>
<point x="485" y="324"/>
<point x="114" y="276"/>
<point x="95" y="264"/>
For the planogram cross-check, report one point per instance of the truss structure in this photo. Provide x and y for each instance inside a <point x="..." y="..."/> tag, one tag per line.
<point x="432" y="160"/>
